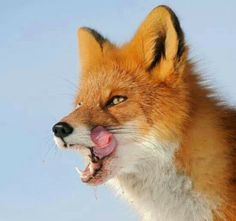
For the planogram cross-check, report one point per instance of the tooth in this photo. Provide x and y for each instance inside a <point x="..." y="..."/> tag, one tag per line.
<point x="78" y="171"/>
<point x="91" y="169"/>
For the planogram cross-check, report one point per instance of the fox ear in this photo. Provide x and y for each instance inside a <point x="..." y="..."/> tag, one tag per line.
<point x="159" y="43"/>
<point x="91" y="47"/>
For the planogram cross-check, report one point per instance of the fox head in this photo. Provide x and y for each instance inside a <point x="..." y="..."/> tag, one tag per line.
<point x="136" y="92"/>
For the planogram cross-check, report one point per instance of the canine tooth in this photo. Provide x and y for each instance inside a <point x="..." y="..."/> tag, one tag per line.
<point x="91" y="169"/>
<point x="78" y="171"/>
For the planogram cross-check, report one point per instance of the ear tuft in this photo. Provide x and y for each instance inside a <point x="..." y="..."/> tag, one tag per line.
<point x="158" y="52"/>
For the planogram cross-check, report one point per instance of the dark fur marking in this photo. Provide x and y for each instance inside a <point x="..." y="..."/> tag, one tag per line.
<point x="159" y="51"/>
<point x="99" y="38"/>
<point x="179" y="32"/>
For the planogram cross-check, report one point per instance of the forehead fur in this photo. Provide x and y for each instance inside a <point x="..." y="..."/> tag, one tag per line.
<point x="112" y="77"/>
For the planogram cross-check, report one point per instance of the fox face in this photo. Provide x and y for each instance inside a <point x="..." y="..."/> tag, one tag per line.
<point x="131" y="99"/>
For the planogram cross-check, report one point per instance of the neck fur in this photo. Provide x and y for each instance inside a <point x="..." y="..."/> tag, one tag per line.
<point x="158" y="192"/>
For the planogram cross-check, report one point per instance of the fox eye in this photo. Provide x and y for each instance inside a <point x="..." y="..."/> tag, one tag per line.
<point x="115" y="100"/>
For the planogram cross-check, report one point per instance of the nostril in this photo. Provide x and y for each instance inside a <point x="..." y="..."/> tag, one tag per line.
<point x="54" y="129"/>
<point x="62" y="129"/>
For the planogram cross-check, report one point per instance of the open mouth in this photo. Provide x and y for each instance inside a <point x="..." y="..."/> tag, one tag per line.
<point x="97" y="171"/>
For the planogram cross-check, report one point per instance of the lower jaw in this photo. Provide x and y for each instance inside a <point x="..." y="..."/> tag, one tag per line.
<point x="97" y="179"/>
<point x="101" y="172"/>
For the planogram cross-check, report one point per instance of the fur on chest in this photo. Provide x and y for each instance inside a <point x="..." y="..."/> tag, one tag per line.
<point x="159" y="192"/>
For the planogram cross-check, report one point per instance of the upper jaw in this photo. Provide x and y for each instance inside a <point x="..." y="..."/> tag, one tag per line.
<point x="80" y="136"/>
<point x="98" y="171"/>
<point x="79" y="140"/>
<point x="64" y="144"/>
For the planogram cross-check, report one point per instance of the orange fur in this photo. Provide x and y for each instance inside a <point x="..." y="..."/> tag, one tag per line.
<point x="169" y="95"/>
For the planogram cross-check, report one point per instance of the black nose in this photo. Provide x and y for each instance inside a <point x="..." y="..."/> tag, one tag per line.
<point x="62" y="129"/>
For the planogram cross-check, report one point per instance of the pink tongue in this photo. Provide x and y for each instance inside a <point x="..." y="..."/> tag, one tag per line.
<point x="105" y="142"/>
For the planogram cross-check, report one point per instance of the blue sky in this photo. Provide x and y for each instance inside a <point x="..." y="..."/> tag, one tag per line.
<point x="39" y="72"/>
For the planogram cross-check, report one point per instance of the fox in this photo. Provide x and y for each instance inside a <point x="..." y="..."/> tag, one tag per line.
<point x="146" y="124"/>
